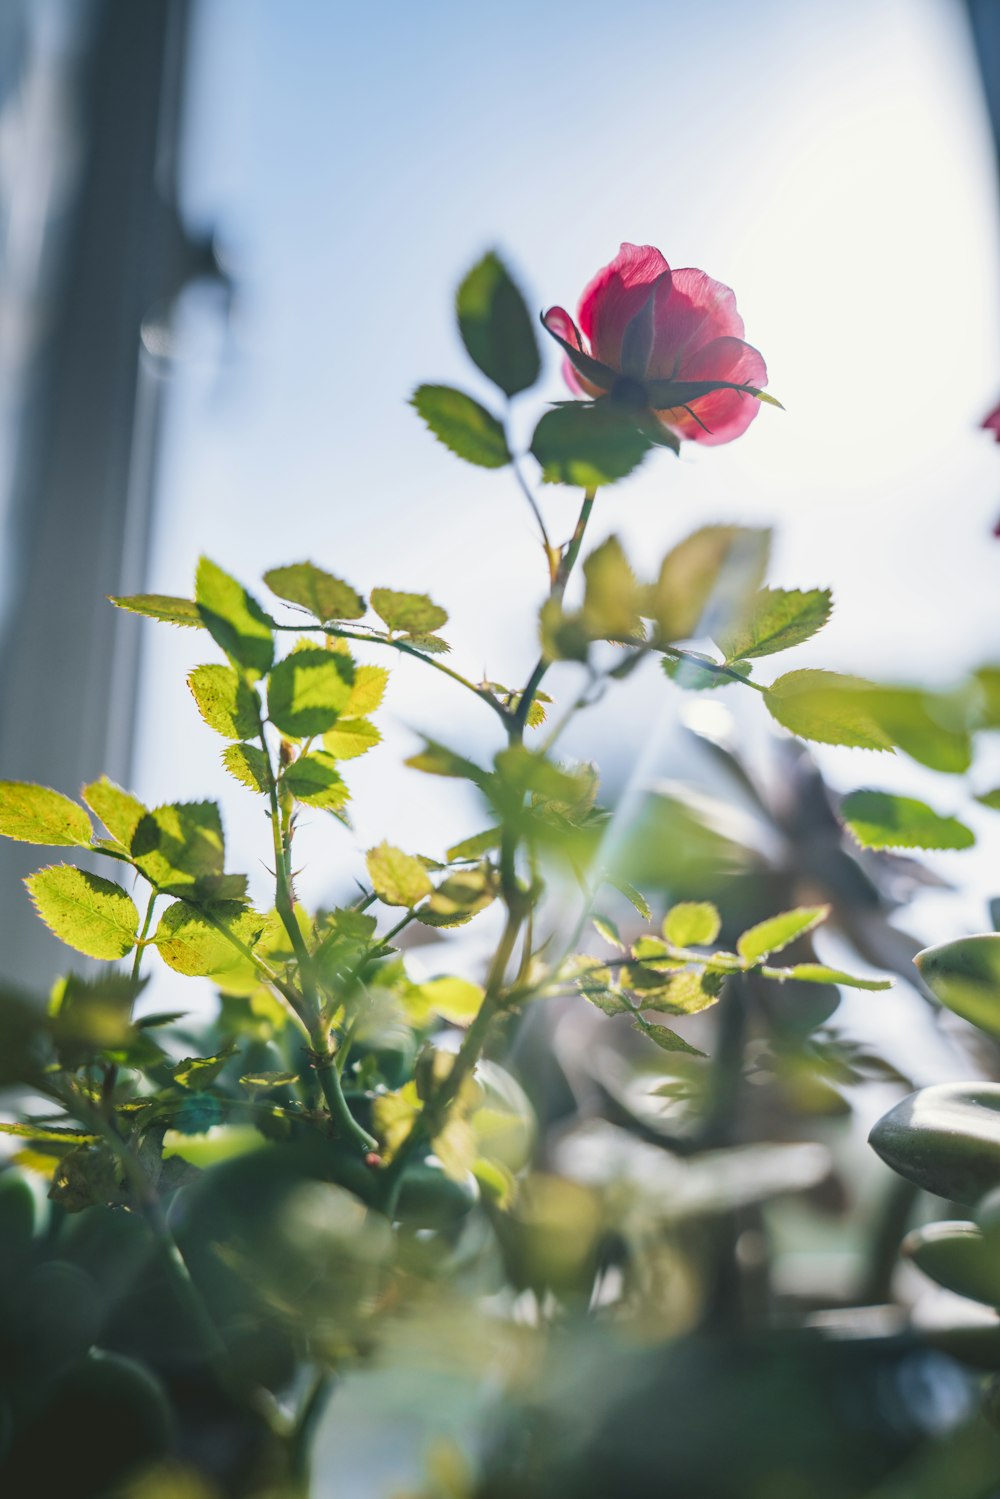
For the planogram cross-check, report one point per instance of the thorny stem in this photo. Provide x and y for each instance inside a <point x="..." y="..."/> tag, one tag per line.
<point x="551" y="552"/>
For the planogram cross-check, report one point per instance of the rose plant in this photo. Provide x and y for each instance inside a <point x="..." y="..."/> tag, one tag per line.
<point x="240" y="1211"/>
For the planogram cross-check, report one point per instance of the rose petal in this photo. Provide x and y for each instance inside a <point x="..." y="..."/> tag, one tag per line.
<point x="614" y="297"/>
<point x="698" y="311"/>
<point x="724" y="414"/>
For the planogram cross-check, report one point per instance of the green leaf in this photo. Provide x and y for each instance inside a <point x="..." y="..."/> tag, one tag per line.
<point x="397" y="878"/>
<point x="367" y="691"/>
<point x="464" y="427"/>
<point x="180" y="848"/>
<point x="199" y="1073"/>
<point x="829" y="708"/>
<point x="778" y="618"/>
<point x="92" y="915"/>
<point x="457" y="899"/>
<point x="34" y="814"/>
<point x="990" y="799"/>
<point x="162" y="606"/>
<point x="607" y="929"/>
<point x="964" y="975"/>
<point x="879" y="819"/>
<point x="192" y="944"/>
<point x="496" y="327"/>
<point x="819" y="973"/>
<point x="692" y="923"/>
<point x="437" y="760"/>
<point x="411" y="613"/>
<point x="667" y="1039"/>
<point x="351" y="737"/>
<point x="699" y="673"/>
<point x="248" y="765"/>
<point x="634" y="897"/>
<point x="588" y="444"/>
<point x="308" y="691"/>
<point x="563" y="636"/>
<point x="958" y="1256"/>
<point x="685" y="992"/>
<point x="52" y="1134"/>
<point x="234" y="619"/>
<point x="475" y="846"/>
<point x="324" y="596"/>
<point x="119" y="810"/>
<point x="88" y="1015"/>
<point x="263" y="1082"/>
<point x="225" y="701"/>
<point x="454" y="999"/>
<point x="932" y="728"/>
<point x="778" y="931"/>
<point x="707" y="581"/>
<point x="611" y="593"/>
<point x="315" y="780"/>
<point x="945" y="1138"/>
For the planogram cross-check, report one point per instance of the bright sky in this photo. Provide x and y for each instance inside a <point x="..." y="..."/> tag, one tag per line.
<point x="831" y="163"/>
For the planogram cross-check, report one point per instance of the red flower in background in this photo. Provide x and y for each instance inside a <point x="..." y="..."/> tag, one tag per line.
<point x="992" y="423"/>
<point x="670" y="342"/>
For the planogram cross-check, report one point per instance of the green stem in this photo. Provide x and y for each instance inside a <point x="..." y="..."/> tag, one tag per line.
<point x="716" y="668"/>
<point x="300" y="1438"/>
<point x="144" y="933"/>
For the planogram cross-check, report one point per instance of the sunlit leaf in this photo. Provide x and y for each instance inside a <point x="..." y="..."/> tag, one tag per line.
<point x="308" y="690"/>
<point x="234" y="619"/>
<point x="308" y="586"/>
<point x="180" y="847"/>
<point x="225" y="701"/>
<point x="496" y="327"/>
<point x="464" y="427"/>
<point x="315" y="780"/>
<point x="819" y="973"/>
<point x="398" y="879"/>
<point x="829" y="708"/>
<point x="454" y="999"/>
<point x="880" y="819"/>
<point x="35" y="814"/>
<point x="248" y="765"/>
<point x="707" y="581"/>
<point x="692" y="923"/>
<point x="119" y="810"/>
<point x="777" y="618"/>
<point x="611" y="593"/>
<point x="192" y="943"/>
<point x="778" y="931"/>
<point x="410" y="613"/>
<point x="162" y="606"/>
<point x="367" y="691"/>
<point x="351" y="737"/>
<point x="93" y="915"/>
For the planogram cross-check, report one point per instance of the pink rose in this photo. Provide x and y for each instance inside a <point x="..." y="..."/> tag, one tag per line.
<point x="665" y="341"/>
<point x="992" y="423"/>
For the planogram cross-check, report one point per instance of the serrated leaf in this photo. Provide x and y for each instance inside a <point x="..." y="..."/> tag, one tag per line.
<point x="93" y="915"/>
<point x="686" y="992"/>
<point x="119" y="810"/>
<point x="308" y="691"/>
<point x="667" y="1039"/>
<point x="410" y="613"/>
<point x="611" y="593"/>
<point x="696" y="672"/>
<point x="351" y="737"/>
<point x="161" y="606"/>
<point x="431" y="645"/>
<point x="707" y="580"/>
<point x="36" y="814"/>
<point x="879" y="819"/>
<point x="476" y="846"/>
<point x="496" y="327"/>
<point x="778" y="931"/>
<point x="464" y="427"/>
<point x="457" y="899"/>
<point x="777" y="618"/>
<point x="588" y="444"/>
<point x="225" y="701"/>
<point x="367" y="691"/>
<point x="819" y="973"/>
<point x="54" y="1134"/>
<point x="192" y="944"/>
<point x="180" y="847"/>
<point x="932" y="728"/>
<point x="607" y="929"/>
<point x="324" y="596"/>
<point x="692" y="923"/>
<point x="397" y="878"/>
<point x="829" y="708"/>
<point x="315" y="780"/>
<point x="248" y="765"/>
<point x="634" y="897"/>
<point x="234" y="619"/>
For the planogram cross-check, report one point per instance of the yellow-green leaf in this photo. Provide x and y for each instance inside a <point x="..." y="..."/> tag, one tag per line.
<point x="879" y="819"/>
<point x="367" y="691"/>
<point x="191" y="943"/>
<point x="778" y="931"/>
<point x="397" y="878"/>
<point x="225" y="701"/>
<point x="308" y="586"/>
<point x="707" y="581"/>
<point x="234" y="619"/>
<point x="36" y="814"/>
<point x="692" y="923"/>
<point x="93" y="915"/>
<point x="315" y="780"/>
<point x="829" y="708"/>
<point x="119" y="810"/>
<point x="776" y="619"/>
<point x="248" y="765"/>
<point x="308" y="691"/>
<point x="162" y="606"/>
<point x="410" y="613"/>
<point x="351" y="737"/>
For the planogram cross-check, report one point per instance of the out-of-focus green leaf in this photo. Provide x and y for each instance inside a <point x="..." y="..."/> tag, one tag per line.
<point x="464" y="427"/>
<point x="457" y="899"/>
<point x="611" y="593"/>
<point x="162" y="606"/>
<point x="692" y="923"/>
<point x="829" y="708"/>
<point x="964" y="975"/>
<point x="776" y="619"/>
<point x="454" y="999"/>
<point x="819" y="973"/>
<point x="945" y="1138"/>
<point x="234" y="619"/>
<point x="958" y="1256"/>
<point x="931" y="728"/>
<point x="879" y="819"/>
<point x="398" y="879"/>
<point x="778" y="931"/>
<point x="667" y="1039"/>
<point x="88" y="1015"/>
<point x="699" y="673"/>
<point x="496" y="327"/>
<point x="225" y="701"/>
<point x="308" y="690"/>
<point x="438" y="760"/>
<point x="589" y="444"/>
<point x="707" y="581"/>
<point x="409" y="613"/>
<point x="308" y="586"/>
<point x="92" y="915"/>
<point x="35" y="814"/>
